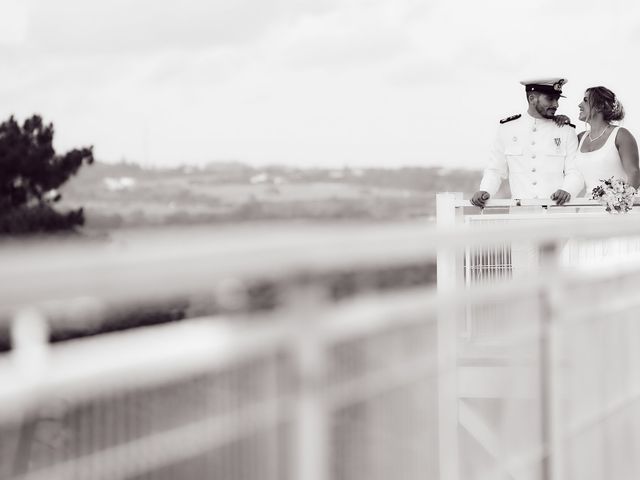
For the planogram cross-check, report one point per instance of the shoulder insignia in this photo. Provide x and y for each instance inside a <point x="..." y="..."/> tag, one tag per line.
<point x="512" y="117"/>
<point x="571" y="125"/>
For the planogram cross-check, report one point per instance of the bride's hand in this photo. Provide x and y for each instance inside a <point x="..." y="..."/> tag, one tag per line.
<point x="561" y="120"/>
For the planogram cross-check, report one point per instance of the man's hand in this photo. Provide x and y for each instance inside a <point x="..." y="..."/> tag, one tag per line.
<point x="561" y="120"/>
<point x="560" y="197"/>
<point x="480" y="198"/>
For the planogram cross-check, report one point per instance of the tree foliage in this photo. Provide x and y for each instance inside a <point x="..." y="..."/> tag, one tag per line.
<point x="30" y="174"/>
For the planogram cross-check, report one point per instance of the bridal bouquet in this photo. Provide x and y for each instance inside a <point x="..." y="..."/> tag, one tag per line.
<point x="615" y="194"/>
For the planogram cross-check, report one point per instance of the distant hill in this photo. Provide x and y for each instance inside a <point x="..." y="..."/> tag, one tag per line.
<point x="117" y="195"/>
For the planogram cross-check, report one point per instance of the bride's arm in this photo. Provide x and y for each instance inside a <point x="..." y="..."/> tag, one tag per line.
<point x="628" y="149"/>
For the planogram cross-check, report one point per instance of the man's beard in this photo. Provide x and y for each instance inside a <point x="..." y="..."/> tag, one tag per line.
<point x="545" y="112"/>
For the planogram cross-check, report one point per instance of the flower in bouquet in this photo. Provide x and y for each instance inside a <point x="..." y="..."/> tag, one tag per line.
<point x="615" y="194"/>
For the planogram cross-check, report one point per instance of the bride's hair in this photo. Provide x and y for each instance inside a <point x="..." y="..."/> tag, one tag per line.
<point x="605" y="101"/>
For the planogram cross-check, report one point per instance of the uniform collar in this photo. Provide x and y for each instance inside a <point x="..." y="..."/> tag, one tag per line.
<point x="535" y="120"/>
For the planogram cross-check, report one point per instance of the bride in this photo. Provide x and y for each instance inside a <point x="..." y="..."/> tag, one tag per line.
<point x="605" y="150"/>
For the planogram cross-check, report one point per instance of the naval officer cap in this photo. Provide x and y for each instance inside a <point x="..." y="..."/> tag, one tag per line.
<point x="549" y="86"/>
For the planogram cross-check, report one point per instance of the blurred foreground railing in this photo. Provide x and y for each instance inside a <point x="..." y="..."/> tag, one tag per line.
<point x="385" y="382"/>
<point x="514" y="387"/>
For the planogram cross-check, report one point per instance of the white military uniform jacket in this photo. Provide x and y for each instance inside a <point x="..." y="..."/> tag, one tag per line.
<point x="538" y="157"/>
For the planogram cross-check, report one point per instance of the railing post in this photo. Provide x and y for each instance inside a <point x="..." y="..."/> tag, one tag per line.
<point x="551" y="363"/>
<point x="311" y="459"/>
<point x="449" y="261"/>
<point x="30" y="349"/>
<point x="30" y="342"/>
<point x="449" y="279"/>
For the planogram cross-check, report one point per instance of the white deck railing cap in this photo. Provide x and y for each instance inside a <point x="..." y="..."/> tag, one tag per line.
<point x="532" y="202"/>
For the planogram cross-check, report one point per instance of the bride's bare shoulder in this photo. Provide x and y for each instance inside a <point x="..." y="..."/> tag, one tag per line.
<point x="625" y="137"/>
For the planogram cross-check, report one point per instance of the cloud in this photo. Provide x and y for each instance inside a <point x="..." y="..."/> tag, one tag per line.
<point x="346" y="37"/>
<point x="13" y="22"/>
<point x="309" y="81"/>
<point x="126" y="26"/>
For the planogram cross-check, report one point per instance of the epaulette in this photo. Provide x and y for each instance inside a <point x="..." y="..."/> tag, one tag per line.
<point x="571" y="125"/>
<point x="512" y="117"/>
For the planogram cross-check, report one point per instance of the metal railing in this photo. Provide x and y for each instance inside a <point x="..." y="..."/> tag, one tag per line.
<point x="383" y="383"/>
<point x="588" y="270"/>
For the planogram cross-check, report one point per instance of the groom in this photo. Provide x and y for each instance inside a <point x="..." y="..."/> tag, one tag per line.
<point x="533" y="151"/>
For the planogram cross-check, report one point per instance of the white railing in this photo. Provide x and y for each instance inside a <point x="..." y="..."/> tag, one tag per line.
<point x="285" y="393"/>
<point x="391" y="382"/>
<point x="589" y="271"/>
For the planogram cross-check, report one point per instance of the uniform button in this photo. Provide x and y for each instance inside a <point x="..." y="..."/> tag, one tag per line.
<point x="533" y="156"/>
<point x="534" y="183"/>
<point x="534" y="129"/>
<point x="533" y="142"/>
<point x="533" y="170"/>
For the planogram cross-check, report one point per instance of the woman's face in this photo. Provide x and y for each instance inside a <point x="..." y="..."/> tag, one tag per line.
<point x="585" y="108"/>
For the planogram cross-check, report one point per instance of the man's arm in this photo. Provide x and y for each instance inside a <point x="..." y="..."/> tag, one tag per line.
<point x="494" y="173"/>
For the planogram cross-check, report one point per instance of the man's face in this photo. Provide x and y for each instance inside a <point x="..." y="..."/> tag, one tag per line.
<point x="545" y="105"/>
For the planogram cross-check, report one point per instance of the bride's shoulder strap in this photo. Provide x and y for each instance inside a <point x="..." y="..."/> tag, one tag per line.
<point x="614" y="133"/>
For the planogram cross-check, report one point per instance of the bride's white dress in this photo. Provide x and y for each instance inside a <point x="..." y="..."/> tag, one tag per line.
<point x="600" y="164"/>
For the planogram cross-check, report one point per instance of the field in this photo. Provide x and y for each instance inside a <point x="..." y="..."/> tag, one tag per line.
<point x="125" y="195"/>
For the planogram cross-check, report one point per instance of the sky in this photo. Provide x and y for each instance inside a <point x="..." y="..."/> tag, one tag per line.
<point x="306" y="83"/>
